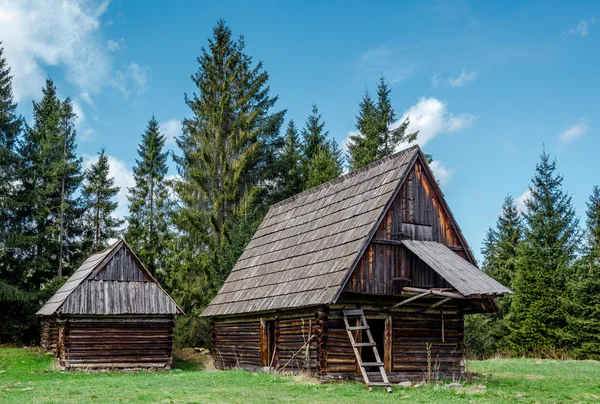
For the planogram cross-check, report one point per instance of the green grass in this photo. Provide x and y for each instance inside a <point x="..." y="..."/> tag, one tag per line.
<point x="29" y="376"/>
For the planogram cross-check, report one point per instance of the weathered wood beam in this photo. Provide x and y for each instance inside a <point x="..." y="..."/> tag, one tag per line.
<point x="433" y="292"/>
<point x="455" y="248"/>
<point x="410" y="299"/>
<point x="387" y="242"/>
<point x="437" y="304"/>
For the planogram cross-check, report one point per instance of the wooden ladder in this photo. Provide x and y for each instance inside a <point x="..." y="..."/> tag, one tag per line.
<point x="358" y="313"/>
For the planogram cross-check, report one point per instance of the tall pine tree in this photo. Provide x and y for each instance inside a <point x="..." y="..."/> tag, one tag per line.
<point x="10" y="129"/>
<point x="326" y="165"/>
<point x="225" y="150"/>
<point x="584" y="300"/>
<point x="545" y="257"/>
<point x="487" y="334"/>
<point x="314" y="135"/>
<point x="148" y="231"/>
<point x="290" y="165"/>
<point x="376" y="138"/>
<point x="99" y="190"/>
<point x="49" y="210"/>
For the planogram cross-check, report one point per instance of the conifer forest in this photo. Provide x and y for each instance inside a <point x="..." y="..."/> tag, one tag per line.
<point x="239" y="153"/>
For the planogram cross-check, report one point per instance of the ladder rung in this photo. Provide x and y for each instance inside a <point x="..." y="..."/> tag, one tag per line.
<point x="361" y="344"/>
<point x="358" y="327"/>
<point x="384" y="384"/>
<point x="356" y="312"/>
<point x="371" y="364"/>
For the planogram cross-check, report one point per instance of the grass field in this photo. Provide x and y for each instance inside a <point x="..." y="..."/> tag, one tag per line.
<point x="29" y="376"/>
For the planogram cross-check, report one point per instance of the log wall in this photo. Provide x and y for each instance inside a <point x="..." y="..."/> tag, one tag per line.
<point x="49" y="334"/>
<point x="242" y="341"/>
<point x="408" y="333"/>
<point x="115" y="342"/>
<point x="418" y="214"/>
<point x="298" y="339"/>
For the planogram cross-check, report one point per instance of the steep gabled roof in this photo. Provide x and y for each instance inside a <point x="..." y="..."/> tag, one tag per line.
<point x="302" y="251"/>
<point x="306" y="247"/>
<point x="84" y="294"/>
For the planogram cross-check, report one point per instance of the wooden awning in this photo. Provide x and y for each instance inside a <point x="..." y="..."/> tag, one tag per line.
<point x="465" y="277"/>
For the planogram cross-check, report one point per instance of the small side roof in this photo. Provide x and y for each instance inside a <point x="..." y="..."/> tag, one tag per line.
<point x="107" y="290"/>
<point x="458" y="272"/>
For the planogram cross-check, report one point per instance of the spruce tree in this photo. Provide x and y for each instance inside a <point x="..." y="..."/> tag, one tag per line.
<point x="376" y="138"/>
<point x="148" y="231"/>
<point x="487" y="334"/>
<point x="362" y="147"/>
<point x="99" y="190"/>
<point x="326" y="165"/>
<point x="290" y="165"/>
<point x="545" y="257"/>
<point x="225" y="150"/>
<point x="10" y="129"/>
<point x="50" y="174"/>
<point x="314" y="135"/>
<point x="584" y="299"/>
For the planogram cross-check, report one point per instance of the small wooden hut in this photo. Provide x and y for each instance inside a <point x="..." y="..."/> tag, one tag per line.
<point x="365" y="277"/>
<point x="111" y="313"/>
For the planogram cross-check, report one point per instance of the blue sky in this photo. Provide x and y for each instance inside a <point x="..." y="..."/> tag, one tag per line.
<point x="486" y="83"/>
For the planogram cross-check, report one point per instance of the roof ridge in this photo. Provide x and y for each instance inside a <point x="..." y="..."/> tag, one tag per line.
<point x="345" y="176"/>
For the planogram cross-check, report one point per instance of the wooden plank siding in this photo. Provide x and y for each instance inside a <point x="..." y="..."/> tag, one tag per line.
<point x="415" y="214"/>
<point x="115" y="343"/>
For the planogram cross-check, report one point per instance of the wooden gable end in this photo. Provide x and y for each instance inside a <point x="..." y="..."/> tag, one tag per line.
<point x="121" y="267"/>
<point x="418" y="212"/>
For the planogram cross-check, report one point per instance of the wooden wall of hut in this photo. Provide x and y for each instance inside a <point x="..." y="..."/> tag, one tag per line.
<point x="416" y="213"/>
<point x="49" y="334"/>
<point x="411" y="339"/>
<point x="237" y="343"/>
<point x="115" y="342"/>
<point x="290" y="341"/>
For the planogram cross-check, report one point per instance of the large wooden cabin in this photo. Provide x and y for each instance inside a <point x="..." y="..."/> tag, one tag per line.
<point x="111" y="313"/>
<point x="380" y="241"/>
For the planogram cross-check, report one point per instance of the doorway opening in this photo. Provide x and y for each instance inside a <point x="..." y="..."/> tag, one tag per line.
<point x="377" y="328"/>
<point x="269" y="341"/>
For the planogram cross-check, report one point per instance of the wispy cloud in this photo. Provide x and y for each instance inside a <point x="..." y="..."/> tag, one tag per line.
<point x="462" y="79"/>
<point x="132" y="78"/>
<point x="114" y="46"/>
<point x="442" y="174"/>
<point x="386" y="61"/>
<point x="582" y="29"/>
<point x="55" y="33"/>
<point x="171" y="129"/>
<point x="573" y="132"/>
<point x="435" y="80"/>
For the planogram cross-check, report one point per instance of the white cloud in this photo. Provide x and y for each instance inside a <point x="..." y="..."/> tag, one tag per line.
<point x="39" y="34"/>
<point x="430" y="117"/>
<point x="441" y="173"/>
<point x="573" y="133"/>
<point x="133" y="77"/>
<point x="171" y="130"/>
<point x="462" y="79"/>
<point x="123" y="176"/>
<point x="582" y="29"/>
<point x="521" y="200"/>
<point x="114" y="46"/>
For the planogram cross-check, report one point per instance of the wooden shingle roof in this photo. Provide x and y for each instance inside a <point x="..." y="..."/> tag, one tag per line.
<point x="111" y="282"/>
<point x="458" y="272"/>
<point x="304" y="249"/>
